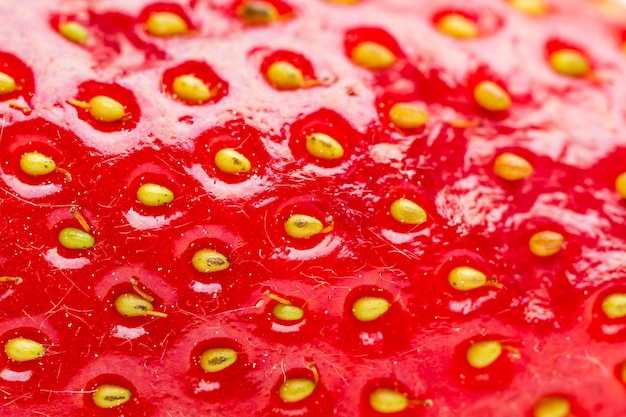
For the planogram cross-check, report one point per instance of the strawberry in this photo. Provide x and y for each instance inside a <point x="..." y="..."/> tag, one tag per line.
<point x="313" y="208"/>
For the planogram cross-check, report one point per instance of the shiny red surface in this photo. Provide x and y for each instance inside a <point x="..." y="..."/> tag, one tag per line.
<point x="548" y="309"/>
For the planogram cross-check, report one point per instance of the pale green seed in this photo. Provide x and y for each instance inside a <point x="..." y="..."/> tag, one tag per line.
<point x="74" y="32"/>
<point x="285" y="76"/>
<point x="569" y="62"/>
<point x="465" y="278"/>
<point x="106" y="109"/>
<point x="482" y="354"/>
<point x="209" y="260"/>
<point x="37" y="164"/>
<point x="552" y="406"/>
<point x="21" y="349"/>
<point x="407" y="211"/>
<point x="490" y="96"/>
<point x="287" y="312"/>
<point x="7" y="83"/>
<point x="154" y="195"/>
<point x="257" y="12"/>
<point x="73" y="238"/>
<point x="110" y="396"/>
<point x="408" y="116"/>
<point x="191" y="88"/>
<point x="301" y="226"/>
<point x="217" y="359"/>
<point x="296" y="389"/>
<point x="323" y="146"/>
<point x="457" y="26"/>
<point x="373" y="56"/>
<point x="387" y="401"/>
<point x="231" y="161"/>
<point x="614" y="306"/>
<point x="370" y="308"/>
<point x="165" y="24"/>
<point x="546" y="243"/>
<point x="132" y="305"/>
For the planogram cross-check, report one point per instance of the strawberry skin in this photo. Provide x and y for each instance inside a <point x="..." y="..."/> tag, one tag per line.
<point x="313" y="208"/>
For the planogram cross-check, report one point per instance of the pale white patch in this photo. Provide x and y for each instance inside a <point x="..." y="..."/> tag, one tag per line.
<point x="469" y="305"/>
<point x="468" y="203"/>
<point x="611" y="329"/>
<point x="204" y="386"/>
<point x="388" y="153"/>
<point x="281" y="328"/>
<point x="324" y="248"/>
<point x="29" y="190"/>
<point x="14" y="376"/>
<point x="200" y="287"/>
<point x="61" y="262"/>
<point x="128" y="333"/>
<point x="399" y="238"/>
<point x="7" y="294"/>
<point x="599" y="265"/>
<point x="221" y="189"/>
<point x="536" y="309"/>
<point x="141" y="222"/>
<point x="368" y="339"/>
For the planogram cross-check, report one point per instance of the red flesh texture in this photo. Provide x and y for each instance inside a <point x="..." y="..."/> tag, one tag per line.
<point x="548" y="308"/>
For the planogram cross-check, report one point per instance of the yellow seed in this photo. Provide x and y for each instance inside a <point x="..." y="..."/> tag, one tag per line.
<point x="257" y="12"/>
<point x="569" y="62"/>
<point x="287" y="312"/>
<point x="620" y="184"/>
<point x="407" y="211"/>
<point x="154" y="195"/>
<point x="490" y="96"/>
<point x="296" y="389"/>
<point x="74" y="32"/>
<point x="545" y="243"/>
<point x="552" y="406"/>
<point x="191" y="88"/>
<point x="457" y="26"/>
<point x="165" y="24"/>
<point x="209" y="260"/>
<point x="231" y="161"/>
<point x="614" y="306"/>
<point x="387" y="401"/>
<point x="301" y="226"/>
<point x="110" y="396"/>
<point x="373" y="56"/>
<point x="511" y="167"/>
<point x="73" y="238"/>
<point x="322" y="146"/>
<point x="21" y="349"/>
<point x="623" y="373"/>
<point x="370" y="308"/>
<point x="285" y="76"/>
<point x="407" y="116"/>
<point x="465" y="278"/>
<point x="36" y="164"/>
<point x="530" y="7"/>
<point x="133" y="305"/>
<point x="7" y="83"/>
<point x="217" y="359"/>
<point x="106" y="109"/>
<point x="482" y="354"/>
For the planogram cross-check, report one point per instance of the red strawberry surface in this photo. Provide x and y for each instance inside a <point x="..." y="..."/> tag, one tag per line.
<point x="313" y="208"/>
